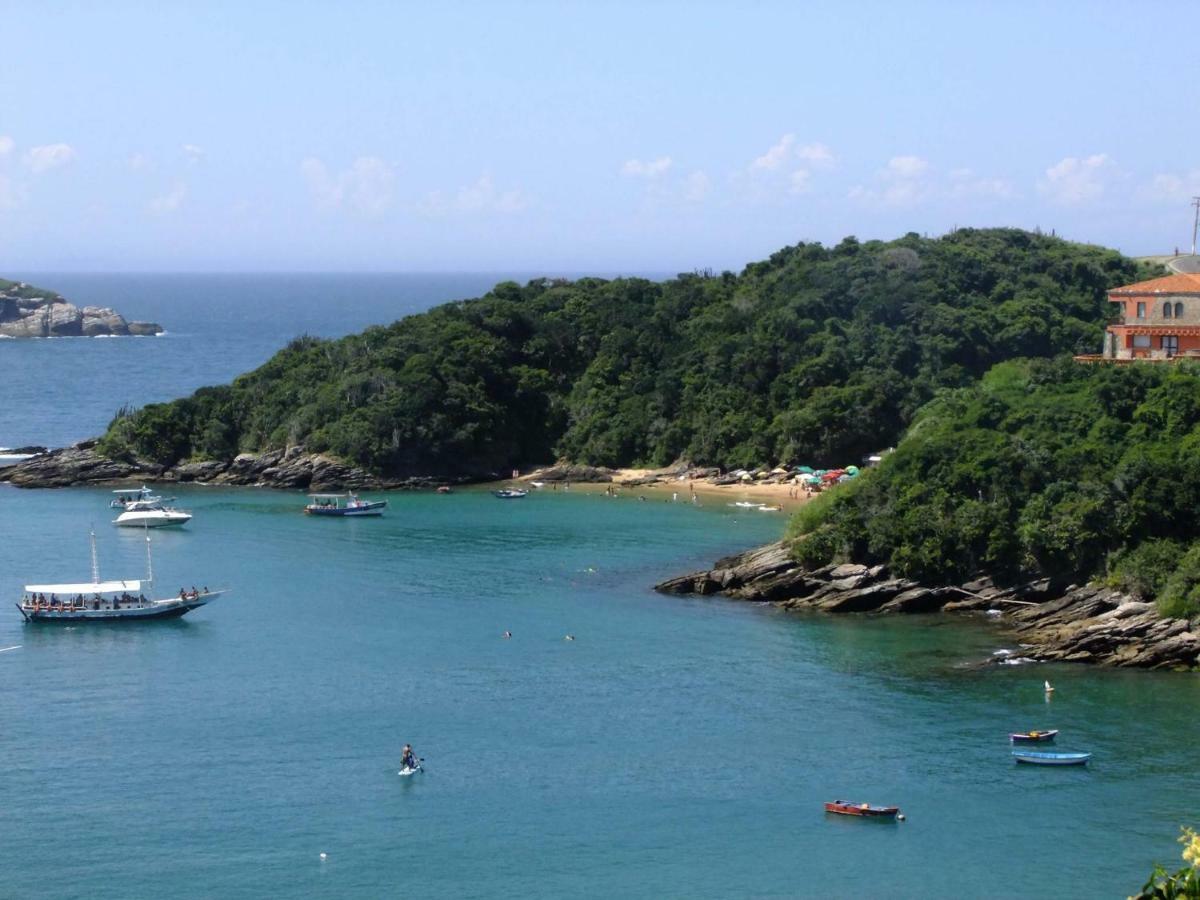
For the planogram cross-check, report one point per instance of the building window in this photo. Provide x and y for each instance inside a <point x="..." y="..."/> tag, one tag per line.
<point x="1179" y="310"/>
<point x="1166" y="310"/>
<point x="1141" y="341"/>
<point x="1170" y="343"/>
<point x="1141" y="310"/>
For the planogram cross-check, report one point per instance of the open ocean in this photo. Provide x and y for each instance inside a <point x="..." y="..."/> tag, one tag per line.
<point x="677" y="748"/>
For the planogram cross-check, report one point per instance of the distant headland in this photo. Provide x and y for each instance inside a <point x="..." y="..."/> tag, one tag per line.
<point x="31" y="312"/>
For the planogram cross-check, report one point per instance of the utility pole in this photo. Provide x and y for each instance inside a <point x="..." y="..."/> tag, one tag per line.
<point x="1195" y="222"/>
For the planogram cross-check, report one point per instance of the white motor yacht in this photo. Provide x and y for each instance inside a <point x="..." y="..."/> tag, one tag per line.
<point x="151" y="514"/>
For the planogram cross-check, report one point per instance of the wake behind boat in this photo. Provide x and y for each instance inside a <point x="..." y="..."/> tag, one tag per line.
<point x="343" y="505"/>
<point x="107" y="601"/>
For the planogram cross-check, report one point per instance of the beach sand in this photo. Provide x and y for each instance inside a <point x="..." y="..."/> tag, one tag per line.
<point x="767" y="494"/>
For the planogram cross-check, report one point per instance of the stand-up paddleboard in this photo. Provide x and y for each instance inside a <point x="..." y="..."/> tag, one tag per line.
<point x="407" y="770"/>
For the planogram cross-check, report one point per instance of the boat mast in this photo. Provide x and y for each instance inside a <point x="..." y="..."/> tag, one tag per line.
<point x="95" y="562"/>
<point x="149" y="560"/>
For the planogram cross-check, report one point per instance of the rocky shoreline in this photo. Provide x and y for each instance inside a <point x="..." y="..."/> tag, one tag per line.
<point x="289" y="469"/>
<point x="29" y="312"/>
<point x="1052" y="622"/>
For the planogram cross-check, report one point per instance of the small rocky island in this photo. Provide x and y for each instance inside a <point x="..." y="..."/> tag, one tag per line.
<point x="29" y="312"/>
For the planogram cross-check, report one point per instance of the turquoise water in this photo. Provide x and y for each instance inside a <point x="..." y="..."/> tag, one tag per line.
<point x="678" y="748"/>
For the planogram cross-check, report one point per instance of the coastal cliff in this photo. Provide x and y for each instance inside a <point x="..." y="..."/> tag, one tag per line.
<point x="1059" y="622"/>
<point x="292" y="468"/>
<point x="28" y="312"/>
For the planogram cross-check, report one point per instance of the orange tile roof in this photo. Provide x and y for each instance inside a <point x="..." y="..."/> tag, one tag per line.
<point x="1168" y="284"/>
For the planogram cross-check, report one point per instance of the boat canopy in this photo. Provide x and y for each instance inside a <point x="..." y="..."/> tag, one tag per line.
<point x="329" y="496"/>
<point x="87" y="588"/>
<point x="141" y="490"/>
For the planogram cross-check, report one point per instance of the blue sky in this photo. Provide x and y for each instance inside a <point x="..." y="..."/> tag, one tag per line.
<point x="568" y="136"/>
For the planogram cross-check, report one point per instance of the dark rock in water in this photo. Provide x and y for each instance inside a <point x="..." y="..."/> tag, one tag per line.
<point x="24" y="316"/>
<point x="62" y="468"/>
<point x="293" y="468"/>
<point x="580" y="474"/>
<point x="1065" y="622"/>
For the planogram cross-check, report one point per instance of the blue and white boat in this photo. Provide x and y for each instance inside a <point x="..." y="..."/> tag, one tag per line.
<point x="1050" y="758"/>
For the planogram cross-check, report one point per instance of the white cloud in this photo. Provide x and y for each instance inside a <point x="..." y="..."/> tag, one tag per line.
<point x="775" y="156"/>
<point x="193" y="153"/>
<point x="137" y="161"/>
<point x="168" y="202"/>
<point x="786" y="150"/>
<point x="49" y="156"/>
<point x="906" y="167"/>
<point x="635" y="168"/>
<point x="479" y="197"/>
<point x="1073" y="181"/>
<point x="1172" y="188"/>
<point x="365" y="187"/>
<point x="696" y="187"/>
<point x="6" y="144"/>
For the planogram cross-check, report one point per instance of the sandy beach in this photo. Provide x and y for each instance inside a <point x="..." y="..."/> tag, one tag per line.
<point x="786" y="496"/>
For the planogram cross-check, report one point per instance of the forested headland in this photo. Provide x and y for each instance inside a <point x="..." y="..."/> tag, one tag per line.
<point x="816" y="355"/>
<point x="1045" y="468"/>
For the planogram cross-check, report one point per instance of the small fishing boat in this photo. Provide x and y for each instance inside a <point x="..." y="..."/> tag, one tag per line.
<point x="1033" y="737"/>
<point x="1047" y="758"/>
<point x="863" y="810"/>
<point x="509" y="494"/>
<point x="343" y="505"/>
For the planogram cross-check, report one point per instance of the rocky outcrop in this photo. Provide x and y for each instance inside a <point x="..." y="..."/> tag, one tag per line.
<point x="1052" y="621"/>
<point x="292" y="468"/>
<point x="23" y="314"/>
<point x="569" y="472"/>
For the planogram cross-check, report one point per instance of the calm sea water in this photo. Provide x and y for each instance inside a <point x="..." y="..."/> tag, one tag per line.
<point x="678" y="748"/>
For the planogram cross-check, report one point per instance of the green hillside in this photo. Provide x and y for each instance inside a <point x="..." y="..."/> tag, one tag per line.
<point x="817" y="355"/>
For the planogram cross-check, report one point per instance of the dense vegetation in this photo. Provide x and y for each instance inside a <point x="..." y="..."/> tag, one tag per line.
<point x="1044" y="468"/>
<point x="815" y="355"/>
<point x="26" y="291"/>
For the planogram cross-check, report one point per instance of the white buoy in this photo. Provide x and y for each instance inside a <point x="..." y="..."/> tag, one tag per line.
<point x="322" y="857"/>
<point x="899" y="817"/>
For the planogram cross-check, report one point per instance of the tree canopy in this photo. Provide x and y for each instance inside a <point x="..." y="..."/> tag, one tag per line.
<point x="1044" y="468"/>
<point x="816" y="355"/>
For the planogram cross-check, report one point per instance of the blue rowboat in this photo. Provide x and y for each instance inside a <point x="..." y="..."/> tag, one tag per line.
<point x="1046" y="758"/>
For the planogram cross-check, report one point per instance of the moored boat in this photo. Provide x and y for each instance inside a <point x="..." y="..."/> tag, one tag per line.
<point x="509" y="494"/>
<point x="1047" y="758"/>
<point x="343" y="505"/>
<point x="863" y="810"/>
<point x="1033" y="737"/>
<point x="151" y="514"/>
<point x="107" y="601"/>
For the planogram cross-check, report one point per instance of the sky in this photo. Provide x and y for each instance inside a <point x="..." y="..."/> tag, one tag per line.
<point x="572" y="137"/>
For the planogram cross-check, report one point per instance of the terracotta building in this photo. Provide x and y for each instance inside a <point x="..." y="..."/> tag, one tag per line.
<point x="1160" y="320"/>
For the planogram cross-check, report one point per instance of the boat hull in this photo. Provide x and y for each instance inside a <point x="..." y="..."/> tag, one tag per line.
<point x="154" y="611"/>
<point x="1029" y="737"/>
<point x="862" y="810"/>
<point x="1052" y="759"/>
<point x="133" y="520"/>
<point x="344" y="512"/>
